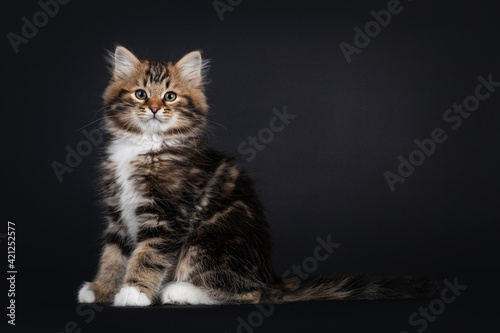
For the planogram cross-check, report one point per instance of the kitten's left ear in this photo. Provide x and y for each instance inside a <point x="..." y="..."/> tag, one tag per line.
<point x="191" y="68"/>
<point x="123" y="62"/>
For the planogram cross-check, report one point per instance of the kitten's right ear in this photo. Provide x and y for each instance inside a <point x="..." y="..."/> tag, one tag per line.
<point x="123" y="63"/>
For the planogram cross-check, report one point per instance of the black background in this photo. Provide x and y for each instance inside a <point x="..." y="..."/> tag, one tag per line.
<point x="322" y="175"/>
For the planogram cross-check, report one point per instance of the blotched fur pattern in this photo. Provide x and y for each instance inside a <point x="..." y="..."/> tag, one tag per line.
<point x="185" y="225"/>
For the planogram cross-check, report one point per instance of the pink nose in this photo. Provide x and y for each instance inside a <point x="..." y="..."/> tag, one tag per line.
<point x="154" y="109"/>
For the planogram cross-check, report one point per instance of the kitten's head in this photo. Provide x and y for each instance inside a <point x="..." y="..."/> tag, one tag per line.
<point x="155" y="97"/>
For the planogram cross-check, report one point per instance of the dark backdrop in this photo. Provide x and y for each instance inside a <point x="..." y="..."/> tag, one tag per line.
<point x="322" y="175"/>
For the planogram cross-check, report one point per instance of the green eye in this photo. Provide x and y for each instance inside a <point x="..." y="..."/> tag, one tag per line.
<point x="170" y="97"/>
<point x="141" y="94"/>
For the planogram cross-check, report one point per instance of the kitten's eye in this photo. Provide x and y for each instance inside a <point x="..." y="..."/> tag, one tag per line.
<point x="170" y="97"/>
<point x="141" y="94"/>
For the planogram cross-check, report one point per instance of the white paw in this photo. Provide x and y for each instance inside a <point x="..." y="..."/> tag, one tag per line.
<point x="185" y="293"/>
<point x="131" y="296"/>
<point x="85" y="295"/>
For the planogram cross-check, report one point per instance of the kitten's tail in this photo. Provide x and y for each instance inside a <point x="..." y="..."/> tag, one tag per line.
<point x="355" y="287"/>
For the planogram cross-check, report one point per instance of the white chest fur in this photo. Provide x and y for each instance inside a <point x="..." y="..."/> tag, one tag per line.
<point x="122" y="154"/>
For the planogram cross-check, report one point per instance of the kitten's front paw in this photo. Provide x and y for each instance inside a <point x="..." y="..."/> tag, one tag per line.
<point x="131" y="296"/>
<point x="85" y="295"/>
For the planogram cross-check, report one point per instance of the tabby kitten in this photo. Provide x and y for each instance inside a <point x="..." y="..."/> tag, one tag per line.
<point x="185" y="225"/>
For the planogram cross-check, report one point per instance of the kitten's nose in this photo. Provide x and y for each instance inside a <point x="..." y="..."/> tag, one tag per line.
<point x="154" y="109"/>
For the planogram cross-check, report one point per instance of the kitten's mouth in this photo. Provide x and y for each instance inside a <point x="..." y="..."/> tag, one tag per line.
<point x="154" y="119"/>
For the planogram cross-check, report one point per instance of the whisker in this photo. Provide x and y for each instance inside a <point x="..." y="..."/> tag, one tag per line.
<point x="93" y="122"/>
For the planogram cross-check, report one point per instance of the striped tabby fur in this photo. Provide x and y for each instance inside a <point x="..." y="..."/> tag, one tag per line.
<point x="185" y="225"/>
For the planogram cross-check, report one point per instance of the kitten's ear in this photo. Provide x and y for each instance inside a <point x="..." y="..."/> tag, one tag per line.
<point x="123" y="63"/>
<point x="191" y="68"/>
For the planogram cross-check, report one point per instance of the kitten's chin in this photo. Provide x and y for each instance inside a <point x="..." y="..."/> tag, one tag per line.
<point x="154" y="125"/>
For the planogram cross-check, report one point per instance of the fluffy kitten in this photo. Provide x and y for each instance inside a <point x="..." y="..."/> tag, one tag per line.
<point x="185" y="225"/>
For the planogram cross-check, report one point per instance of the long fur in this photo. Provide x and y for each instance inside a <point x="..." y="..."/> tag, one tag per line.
<point x="185" y="224"/>
<point x="358" y="287"/>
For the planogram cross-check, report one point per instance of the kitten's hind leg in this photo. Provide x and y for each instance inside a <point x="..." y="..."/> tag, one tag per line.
<point x="224" y="262"/>
<point x="185" y="293"/>
<point x="198" y="281"/>
<point x="229" y="287"/>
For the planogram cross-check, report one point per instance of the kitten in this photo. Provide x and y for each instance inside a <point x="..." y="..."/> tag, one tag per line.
<point x="185" y="225"/>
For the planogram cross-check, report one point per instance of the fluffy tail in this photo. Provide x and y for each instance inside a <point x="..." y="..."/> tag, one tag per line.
<point x="356" y="287"/>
